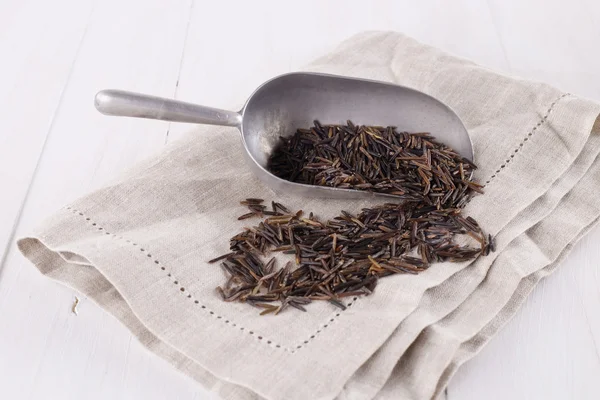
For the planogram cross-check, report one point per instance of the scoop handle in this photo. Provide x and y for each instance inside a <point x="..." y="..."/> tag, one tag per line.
<point x="129" y="104"/>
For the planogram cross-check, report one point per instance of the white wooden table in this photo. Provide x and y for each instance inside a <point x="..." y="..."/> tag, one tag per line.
<point x="55" y="55"/>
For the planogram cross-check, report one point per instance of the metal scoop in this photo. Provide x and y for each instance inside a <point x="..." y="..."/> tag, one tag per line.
<point x="283" y="104"/>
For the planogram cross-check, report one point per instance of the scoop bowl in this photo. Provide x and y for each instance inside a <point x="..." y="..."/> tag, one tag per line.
<point x="287" y="102"/>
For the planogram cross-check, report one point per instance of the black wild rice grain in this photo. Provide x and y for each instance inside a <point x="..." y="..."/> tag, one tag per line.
<point x="411" y="166"/>
<point x="344" y="256"/>
<point x="347" y="255"/>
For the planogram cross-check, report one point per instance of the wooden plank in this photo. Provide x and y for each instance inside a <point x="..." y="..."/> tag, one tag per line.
<point x="37" y="58"/>
<point x="46" y="350"/>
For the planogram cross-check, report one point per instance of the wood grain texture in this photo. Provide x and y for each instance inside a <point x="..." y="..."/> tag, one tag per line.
<point x="55" y="147"/>
<point x="38" y="53"/>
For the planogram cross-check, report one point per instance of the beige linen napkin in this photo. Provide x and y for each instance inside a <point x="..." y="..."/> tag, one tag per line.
<point x="139" y="245"/>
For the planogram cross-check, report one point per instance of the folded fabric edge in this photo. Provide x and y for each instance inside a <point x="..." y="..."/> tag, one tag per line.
<point x="473" y="346"/>
<point x="91" y="283"/>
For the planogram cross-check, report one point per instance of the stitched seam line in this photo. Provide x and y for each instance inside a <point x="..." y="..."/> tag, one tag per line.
<point x="184" y="291"/>
<point x="324" y="326"/>
<point x="526" y="138"/>
<point x="178" y="284"/>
